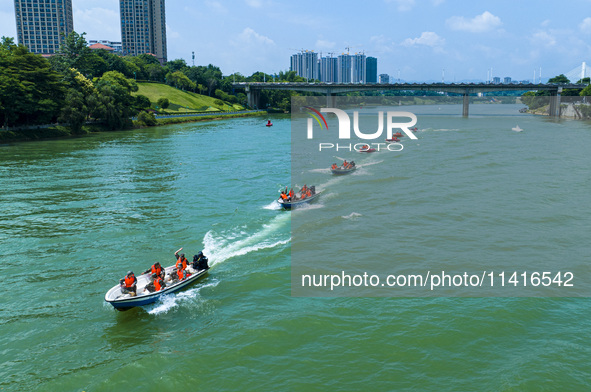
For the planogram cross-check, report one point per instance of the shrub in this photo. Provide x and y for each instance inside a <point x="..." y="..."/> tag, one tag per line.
<point x="146" y="119"/>
<point x="163" y="103"/>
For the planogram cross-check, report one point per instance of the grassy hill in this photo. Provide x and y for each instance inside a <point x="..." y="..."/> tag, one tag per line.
<point x="181" y="100"/>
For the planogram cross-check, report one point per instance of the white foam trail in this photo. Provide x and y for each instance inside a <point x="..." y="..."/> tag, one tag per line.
<point x="370" y="164"/>
<point x="352" y="215"/>
<point x="320" y="170"/>
<point x="305" y="207"/>
<point x="170" y="301"/>
<point x="272" y="206"/>
<point x="218" y="249"/>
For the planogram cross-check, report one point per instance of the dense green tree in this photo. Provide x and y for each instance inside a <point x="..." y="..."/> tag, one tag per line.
<point x="75" y="53"/>
<point x="163" y="103"/>
<point x="146" y="119"/>
<point x="180" y="80"/>
<point x="74" y="110"/>
<point x="30" y="91"/>
<point x="586" y="92"/>
<point x="559" y="79"/>
<point x="142" y="103"/>
<point x="175" y="65"/>
<point x="113" y="103"/>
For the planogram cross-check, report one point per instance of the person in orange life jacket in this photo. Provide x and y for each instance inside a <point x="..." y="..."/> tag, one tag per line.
<point x="180" y="259"/>
<point x="129" y="284"/>
<point x="290" y="194"/>
<point x="308" y="193"/>
<point x="303" y="191"/>
<point x="334" y="166"/>
<point x="181" y="274"/>
<point x="156" y="283"/>
<point x="283" y="196"/>
<point x="156" y="269"/>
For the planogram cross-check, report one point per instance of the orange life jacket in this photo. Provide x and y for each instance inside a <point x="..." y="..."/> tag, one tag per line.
<point x="181" y="274"/>
<point x="291" y="193"/>
<point x="284" y="196"/>
<point x="158" y="283"/>
<point x="157" y="271"/>
<point x="308" y="193"/>
<point x="182" y="262"/>
<point x="129" y="281"/>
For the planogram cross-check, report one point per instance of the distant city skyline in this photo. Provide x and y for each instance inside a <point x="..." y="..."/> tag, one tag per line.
<point x="413" y="40"/>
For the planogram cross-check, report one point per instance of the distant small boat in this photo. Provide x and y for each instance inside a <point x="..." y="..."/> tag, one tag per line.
<point x="393" y="140"/>
<point x="517" y="129"/>
<point x="341" y="170"/>
<point x="269" y="123"/>
<point x="367" y="149"/>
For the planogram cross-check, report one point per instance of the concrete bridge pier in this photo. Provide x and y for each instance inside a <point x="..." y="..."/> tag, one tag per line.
<point x="554" y="110"/>
<point x="331" y="100"/>
<point x="253" y="98"/>
<point x="466" y="104"/>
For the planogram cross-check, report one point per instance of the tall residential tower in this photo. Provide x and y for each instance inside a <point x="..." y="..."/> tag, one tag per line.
<point x="42" y="25"/>
<point x="143" y="28"/>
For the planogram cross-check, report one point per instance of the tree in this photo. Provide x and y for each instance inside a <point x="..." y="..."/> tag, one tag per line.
<point x="176" y="65"/>
<point x="146" y="119"/>
<point x="142" y="103"/>
<point x="74" y="111"/>
<point x="586" y="92"/>
<point x="163" y="103"/>
<point x="180" y="80"/>
<point x="30" y="91"/>
<point x="75" y="53"/>
<point x="559" y="79"/>
<point x="113" y="103"/>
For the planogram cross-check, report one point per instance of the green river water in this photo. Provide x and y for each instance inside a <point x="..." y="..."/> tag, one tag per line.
<point x="78" y="213"/>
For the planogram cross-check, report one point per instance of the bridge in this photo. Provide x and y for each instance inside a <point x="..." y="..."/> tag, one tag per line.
<point x="253" y="90"/>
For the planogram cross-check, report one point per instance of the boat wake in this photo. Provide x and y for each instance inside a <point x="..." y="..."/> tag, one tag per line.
<point x="171" y="301"/>
<point x="320" y="170"/>
<point x="220" y="247"/>
<point x="369" y="164"/>
<point x="352" y="215"/>
<point x="272" y="206"/>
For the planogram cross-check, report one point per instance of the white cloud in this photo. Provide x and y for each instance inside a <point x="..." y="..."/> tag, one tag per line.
<point x="323" y="44"/>
<point x="585" y="25"/>
<point x="216" y="6"/>
<point x="427" y="38"/>
<point x="544" y="38"/>
<point x="97" y="23"/>
<point x="171" y="34"/>
<point x="478" y="24"/>
<point x="254" y="3"/>
<point x="403" y="5"/>
<point x="251" y="37"/>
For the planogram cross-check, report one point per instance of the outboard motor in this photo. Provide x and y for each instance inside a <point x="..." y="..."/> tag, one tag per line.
<point x="313" y="189"/>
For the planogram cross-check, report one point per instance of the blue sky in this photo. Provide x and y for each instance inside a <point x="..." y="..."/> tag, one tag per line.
<point x="416" y="38"/>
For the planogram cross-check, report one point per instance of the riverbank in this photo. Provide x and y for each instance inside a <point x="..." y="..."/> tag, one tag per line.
<point x="61" y="131"/>
<point x="573" y="111"/>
